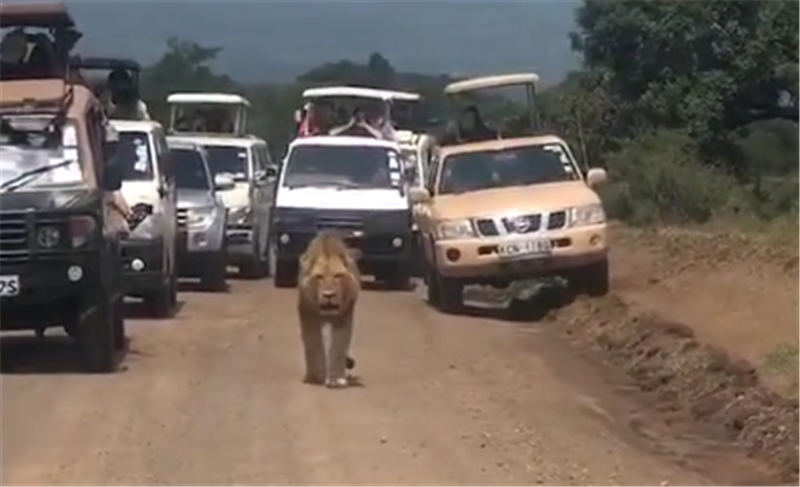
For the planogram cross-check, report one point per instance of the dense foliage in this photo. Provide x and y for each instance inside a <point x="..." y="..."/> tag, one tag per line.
<point x="692" y="106"/>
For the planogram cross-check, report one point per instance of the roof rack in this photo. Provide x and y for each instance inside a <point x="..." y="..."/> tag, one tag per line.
<point x="51" y="15"/>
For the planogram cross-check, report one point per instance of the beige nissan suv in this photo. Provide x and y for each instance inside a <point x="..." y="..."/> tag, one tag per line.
<point x="502" y="210"/>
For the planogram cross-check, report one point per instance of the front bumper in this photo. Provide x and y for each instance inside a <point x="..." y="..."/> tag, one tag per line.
<point x="240" y="241"/>
<point x="478" y="259"/>
<point x="51" y="288"/>
<point x="144" y="268"/>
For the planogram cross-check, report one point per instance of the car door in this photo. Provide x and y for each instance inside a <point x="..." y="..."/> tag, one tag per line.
<point x="167" y="195"/>
<point x="424" y="221"/>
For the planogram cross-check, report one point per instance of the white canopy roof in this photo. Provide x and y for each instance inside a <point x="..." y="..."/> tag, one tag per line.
<point x="211" y="98"/>
<point x="358" y="92"/>
<point x="487" y="82"/>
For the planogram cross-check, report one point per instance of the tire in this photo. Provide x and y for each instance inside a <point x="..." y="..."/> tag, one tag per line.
<point x="399" y="278"/>
<point x="592" y="280"/>
<point x="162" y="302"/>
<point x="256" y="267"/>
<point x="96" y="340"/>
<point x="451" y="295"/>
<point x="215" y="276"/>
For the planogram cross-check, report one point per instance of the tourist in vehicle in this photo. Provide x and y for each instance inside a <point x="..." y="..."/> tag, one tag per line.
<point x="357" y="126"/>
<point x="13" y="49"/>
<point x="125" y="103"/>
<point x="313" y="122"/>
<point x="380" y="119"/>
<point x="471" y="127"/>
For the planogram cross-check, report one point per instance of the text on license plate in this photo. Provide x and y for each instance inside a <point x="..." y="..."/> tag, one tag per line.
<point x="9" y="285"/>
<point x="525" y="247"/>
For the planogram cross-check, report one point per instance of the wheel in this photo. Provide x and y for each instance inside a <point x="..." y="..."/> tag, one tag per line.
<point x="451" y="294"/>
<point x="162" y="302"/>
<point x="592" y="280"/>
<point x="256" y="267"/>
<point x="118" y="316"/>
<point x="398" y="278"/>
<point x="214" y="276"/>
<point x="431" y="285"/>
<point x="284" y="272"/>
<point x="96" y="338"/>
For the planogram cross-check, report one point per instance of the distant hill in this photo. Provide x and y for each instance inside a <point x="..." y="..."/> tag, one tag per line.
<point x="277" y="40"/>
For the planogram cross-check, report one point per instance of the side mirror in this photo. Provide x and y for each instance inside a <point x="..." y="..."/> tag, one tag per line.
<point x="298" y="116"/>
<point x="272" y="173"/>
<point x="112" y="177"/>
<point x="419" y="195"/>
<point x="596" y="176"/>
<point x="223" y="182"/>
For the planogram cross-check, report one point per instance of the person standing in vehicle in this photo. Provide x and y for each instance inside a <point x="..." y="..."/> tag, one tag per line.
<point x="472" y="128"/>
<point x="125" y="104"/>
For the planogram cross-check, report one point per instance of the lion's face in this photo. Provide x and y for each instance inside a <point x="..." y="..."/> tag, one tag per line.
<point x="329" y="285"/>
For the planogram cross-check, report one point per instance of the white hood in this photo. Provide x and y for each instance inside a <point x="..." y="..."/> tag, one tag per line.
<point x="237" y="196"/>
<point x="141" y="192"/>
<point x="341" y="199"/>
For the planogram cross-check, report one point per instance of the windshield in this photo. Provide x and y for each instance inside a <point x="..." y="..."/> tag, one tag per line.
<point x="228" y="160"/>
<point x="520" y="166"/>
<point x="342" y="166"/>
<point x="189" y="170"/>
<point x="35" y="152"/>
<point x="133" y="156"/>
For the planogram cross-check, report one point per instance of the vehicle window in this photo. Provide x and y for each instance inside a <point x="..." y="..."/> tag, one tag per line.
<point x="161" y="150"/>
<point x="134" y="156"/>
<point x="267" y="156"/>
<point x="258" y="158"/>
<point x="520" y="166"/>
<point x="228" y="159"/>
<point x="189" y="169"/>
<point x="34" y="153"/>
<point x="342" y="166"/>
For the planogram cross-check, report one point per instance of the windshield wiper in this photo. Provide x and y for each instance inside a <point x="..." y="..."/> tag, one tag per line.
<point x="26" y="177"/>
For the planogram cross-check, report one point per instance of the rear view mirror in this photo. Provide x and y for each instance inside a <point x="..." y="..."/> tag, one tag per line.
<point x="223" y="182"/>
<point x="596" y="176"/>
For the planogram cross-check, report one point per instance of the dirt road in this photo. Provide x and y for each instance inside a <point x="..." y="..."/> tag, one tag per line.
<point x="214" y="397"/>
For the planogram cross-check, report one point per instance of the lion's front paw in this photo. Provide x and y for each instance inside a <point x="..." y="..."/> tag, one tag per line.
<point x="338" y="383"/>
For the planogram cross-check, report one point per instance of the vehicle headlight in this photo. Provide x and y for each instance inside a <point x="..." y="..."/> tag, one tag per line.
<point x="48" y="237"/>
<point x="239" y="216"/>
<point x="586" y="215"/>
<point x="199" y="218"/>
<point x="454" y="229"/>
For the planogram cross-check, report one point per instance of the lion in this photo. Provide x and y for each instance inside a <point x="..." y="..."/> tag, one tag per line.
<point x="328" y="286"/>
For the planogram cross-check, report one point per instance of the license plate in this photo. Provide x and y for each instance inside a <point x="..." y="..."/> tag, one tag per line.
<point x="538" y="247"/>
<point x="9" y="285"/>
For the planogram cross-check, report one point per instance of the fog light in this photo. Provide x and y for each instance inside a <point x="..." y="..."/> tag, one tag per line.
<point x="74" y="273"/>
<point x="397" y="242"/>
<point x="199" y="239"/>
<point x="137" y="265"/>
<point x="453" y="254"/>
<point x="595" y="240"/>
<point x="284" y="239"/>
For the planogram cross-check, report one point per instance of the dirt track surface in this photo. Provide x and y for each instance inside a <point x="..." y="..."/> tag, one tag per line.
<point x="214" y="397"/>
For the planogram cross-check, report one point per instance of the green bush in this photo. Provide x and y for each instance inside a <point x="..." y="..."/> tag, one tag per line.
<point x="658" y="178"/>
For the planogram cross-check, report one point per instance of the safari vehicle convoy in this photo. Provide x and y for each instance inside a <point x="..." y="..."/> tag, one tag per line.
<point x="60" y="224"/>
<point x="356" y="187"/>
<point x="149" y="189"/>
<point x="218" y="123"/>
<point x="504" y="207"/>
<point x="201" y="245"/>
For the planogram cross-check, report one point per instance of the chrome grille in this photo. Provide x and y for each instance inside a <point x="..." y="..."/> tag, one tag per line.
<point x="13" y="234"/>
<point x="183" y="216"/>
<point x="523" y="223"/>
<point x="486" y="227"/>
<point x="556" y="220"/>
<point x="347" y="223"/>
